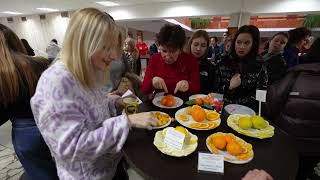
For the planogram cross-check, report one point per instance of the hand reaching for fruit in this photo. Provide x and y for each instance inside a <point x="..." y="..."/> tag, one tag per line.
<point x="159" y="83"/>
<point x="182" y="86"/>
<point x="257" y="175"/>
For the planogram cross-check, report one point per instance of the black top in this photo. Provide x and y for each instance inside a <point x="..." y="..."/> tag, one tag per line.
<point x="276" y="67"/>
<point x="21" y="108"/>
<point x="207" y="76"/>
<point x="253" y="76"/>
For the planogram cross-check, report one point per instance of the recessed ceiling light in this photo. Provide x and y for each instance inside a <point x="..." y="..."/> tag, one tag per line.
<point x="107" y="3"/>
<point x="48" y="9"/>
<point x="11" y="12"/>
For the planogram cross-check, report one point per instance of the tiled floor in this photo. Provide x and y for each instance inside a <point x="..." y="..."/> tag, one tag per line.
<point x="10" y="167"/>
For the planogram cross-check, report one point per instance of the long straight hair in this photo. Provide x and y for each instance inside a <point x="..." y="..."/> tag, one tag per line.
<point x="195" y="35"/>
<point x="88" y="31"/>
<point x="15" y="68"/>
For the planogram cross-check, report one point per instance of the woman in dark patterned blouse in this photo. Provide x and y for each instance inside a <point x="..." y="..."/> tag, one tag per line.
<point x="241" y="73"/>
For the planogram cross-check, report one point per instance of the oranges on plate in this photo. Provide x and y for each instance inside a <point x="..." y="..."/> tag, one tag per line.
<point x="233" y="148"/>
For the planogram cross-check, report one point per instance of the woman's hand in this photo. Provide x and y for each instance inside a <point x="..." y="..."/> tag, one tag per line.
<point x="257" y="175"/>
<point x="182" y="86"/>
<point x="235" y="81"/>
<point x="159" y="83"/>
<point x="145" y="120"/>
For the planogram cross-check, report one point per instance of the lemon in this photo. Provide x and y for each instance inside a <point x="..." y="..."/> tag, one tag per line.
<point x="181" y="130"/>
<point x="245" y="123"/>
<point x="258" y="122"/>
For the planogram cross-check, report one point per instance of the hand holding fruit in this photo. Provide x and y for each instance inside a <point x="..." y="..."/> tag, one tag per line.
<point x="235" y="81"/>
<point x="145" y="120"/>
<point x="182" y="86"/>
<point x="159" y="83"/>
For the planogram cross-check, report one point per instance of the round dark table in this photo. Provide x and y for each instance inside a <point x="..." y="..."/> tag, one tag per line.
<point x="276" y="155"/>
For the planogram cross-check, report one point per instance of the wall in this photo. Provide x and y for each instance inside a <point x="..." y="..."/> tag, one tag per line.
<point x="39" y="32"/>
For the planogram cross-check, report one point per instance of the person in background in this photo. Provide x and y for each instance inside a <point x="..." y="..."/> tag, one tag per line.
<point x="227" y="50"/>
<point x="18" y="80"/>
<point x="198" y="47"/>
<point x="224" y="37"/>
<point x="30" y="51"/>
<point x="154" y="47"/>
<point x="240" y="75"/>
<point x="213" y="49"/>
<point x="172" y="70"/>
<point x="132" y="53"/>
<point x="141" y="46"/>
<point x="75" y="116"/>
<point x="293" y="104"/>
<point x="298" y="38"/>
<point x="275" y="63"/>
<point x="313" y="56"/>
<point x="52" y="50"/>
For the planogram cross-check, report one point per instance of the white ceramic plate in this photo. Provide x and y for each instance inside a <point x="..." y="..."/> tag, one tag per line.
<point x="165" y="125"/>
<point x="177" y="102"/>
<point x="186" y="123"/>
<point x="228" y="157"/>
<point x="239" y="109"/>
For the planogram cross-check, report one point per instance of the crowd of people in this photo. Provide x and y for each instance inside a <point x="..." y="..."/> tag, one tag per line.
<point x="63" y="110"/>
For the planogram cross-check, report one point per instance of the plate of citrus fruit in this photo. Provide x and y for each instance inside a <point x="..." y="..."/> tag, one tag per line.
<point x="164" y="119"/>
<point x="234" y="149"/>
<point x="167" y="101"/>
<point x="198" y="118"/>
<point x="190" y="142"/>
<point x="253" y="126"/>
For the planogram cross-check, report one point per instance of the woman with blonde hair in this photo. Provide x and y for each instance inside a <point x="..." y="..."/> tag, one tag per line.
<point x="76" y="118"/>
<point x="19" y="75"/>
<point x="132" y="55"/>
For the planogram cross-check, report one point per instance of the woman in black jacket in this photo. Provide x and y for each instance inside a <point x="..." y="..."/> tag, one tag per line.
<point x="19" y="75"/>
<point x="241" y="73"/>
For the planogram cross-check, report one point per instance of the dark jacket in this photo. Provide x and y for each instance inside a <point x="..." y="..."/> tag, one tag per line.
<point x="153" y="49"/>
<point x="253" y="76"/>
<point x="276" y="67"/>
<point x="213" y="52"/>
<point x="21" y="108"/>
<point x="294" y="105"/>
<point x="207" y="76"/>
<point x="291" y="55"/>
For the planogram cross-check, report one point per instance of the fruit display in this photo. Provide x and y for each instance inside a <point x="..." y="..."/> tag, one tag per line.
<point x="196" y="117"/>
<point x="253" y="126"/>
<point x="189" y="146"/>
<point x="163" y="118"/>
<point x="167" y="101"/>
<point x="233" y="148"/>
<point x="207" y="101"/>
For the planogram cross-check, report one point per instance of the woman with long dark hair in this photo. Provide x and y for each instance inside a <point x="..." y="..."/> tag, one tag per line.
<point x="241" y="74"/>
<point x="19" y="75"/>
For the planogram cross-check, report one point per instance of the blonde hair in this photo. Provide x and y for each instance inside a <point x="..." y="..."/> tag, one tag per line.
<point x="132" y="48"/>
<point x="89" y="30"/>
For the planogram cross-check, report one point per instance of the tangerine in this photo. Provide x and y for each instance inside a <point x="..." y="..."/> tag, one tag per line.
<point x="170" y="103"/>
<point x="234" y="148"/>
<point x="199" y="101"/>
<point x="163" y="101"/>
<point x="229" y="138"/>
<point x="219" y="142"/>
<point x="198" y="114"/>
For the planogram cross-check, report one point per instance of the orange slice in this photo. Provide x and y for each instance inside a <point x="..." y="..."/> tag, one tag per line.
<point x="212" y="116"/>
<point x="204" y="125"/>
<point x="194" y="125"/>
<point x="183" y="117"/>
<point x="211" y="125"/>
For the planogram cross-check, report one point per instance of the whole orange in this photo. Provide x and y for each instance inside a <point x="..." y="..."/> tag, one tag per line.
<point x="234" y="148"/>
<point x="219" y="142"/>
<point x="199" y="101"/>
<point x="198" y="114"/>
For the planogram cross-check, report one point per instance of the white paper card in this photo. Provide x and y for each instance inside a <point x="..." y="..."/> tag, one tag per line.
<point x="261" y="95"/>
<point x="211" y="162"/>
<point x="174" y="139"/>
<point x="128" y="93"/>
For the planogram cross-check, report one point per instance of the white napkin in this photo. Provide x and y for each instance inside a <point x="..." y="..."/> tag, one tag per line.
<point x="128" y="93"/>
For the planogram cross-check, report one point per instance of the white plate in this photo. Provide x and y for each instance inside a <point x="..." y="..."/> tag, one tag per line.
<point x="186" y="123"/>
<point x="165" y="125"/>
<point x="228" y="156"/>
<point x="162" y="147"/>
<point x="217" y="97"/>
<point x="177" y="102"/>
<point x="239" y="109"/>
<point x="197" y="96"/>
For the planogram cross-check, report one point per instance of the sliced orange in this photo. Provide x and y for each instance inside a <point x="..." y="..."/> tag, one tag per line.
<point x="212" y="116"/>
<point x="211" y="125"/>
<point x="194" y="125"/>
<point x="204" y="126"/>
<point x="183" y="117"/>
